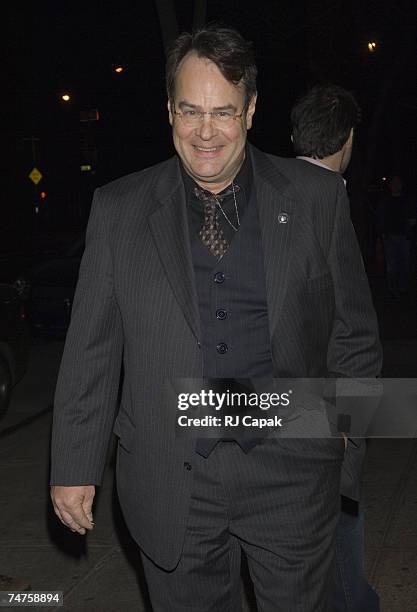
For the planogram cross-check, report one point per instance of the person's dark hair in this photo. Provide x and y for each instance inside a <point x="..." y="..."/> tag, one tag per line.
<point x="322" y="119"/>
<point x="225" y="47"/>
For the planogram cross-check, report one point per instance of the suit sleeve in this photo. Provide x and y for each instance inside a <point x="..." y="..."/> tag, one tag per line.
<point x="88" y="381"/>
<point x="354" y="350"/>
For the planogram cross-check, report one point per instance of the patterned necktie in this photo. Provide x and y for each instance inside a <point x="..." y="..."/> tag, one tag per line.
<point x="211" y="233"/>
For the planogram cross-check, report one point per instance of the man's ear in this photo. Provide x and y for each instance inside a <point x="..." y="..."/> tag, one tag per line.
<point x="170" y="116"/>
<point x="251" y="111"/>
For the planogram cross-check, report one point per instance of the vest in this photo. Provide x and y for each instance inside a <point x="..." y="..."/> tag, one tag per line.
<point x="235" y="338"/>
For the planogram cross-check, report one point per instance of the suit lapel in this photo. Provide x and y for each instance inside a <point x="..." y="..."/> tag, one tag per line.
<point x="169" y="228"/>
<point x="276" y="207"/>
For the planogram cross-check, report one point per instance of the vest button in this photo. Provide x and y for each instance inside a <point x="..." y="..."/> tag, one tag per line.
<point x="187" y="465"/>
<point x="221" y="314"/>
<point x="222" y="348"/>
<point x="219" y="277"/>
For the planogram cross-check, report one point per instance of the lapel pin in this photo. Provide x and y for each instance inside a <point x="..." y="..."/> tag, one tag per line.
<point x="283" y="217"/>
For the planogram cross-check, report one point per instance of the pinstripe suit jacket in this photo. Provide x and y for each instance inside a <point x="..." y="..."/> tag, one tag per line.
<point x="136" y="304"/>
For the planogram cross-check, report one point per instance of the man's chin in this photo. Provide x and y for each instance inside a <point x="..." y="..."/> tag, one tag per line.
<point x="205" y="173"/>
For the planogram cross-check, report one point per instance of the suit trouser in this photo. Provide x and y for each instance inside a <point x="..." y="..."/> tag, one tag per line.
<point x="280" y="505"/>
<point x="352" y="593"/>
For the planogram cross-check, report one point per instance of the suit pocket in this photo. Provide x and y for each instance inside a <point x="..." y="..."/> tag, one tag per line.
<point x="125" y="430"/>
<point x="333" y="446"/>
<point x="320" y="283"/>
<point x="352" y="468"/>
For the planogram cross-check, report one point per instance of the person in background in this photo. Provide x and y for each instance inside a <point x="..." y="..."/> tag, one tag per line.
<point x="323" y="124"/>
<point x="395" y="219"/>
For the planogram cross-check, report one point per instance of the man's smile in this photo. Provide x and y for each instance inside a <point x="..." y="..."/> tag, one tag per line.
<point x="207" y="151"/>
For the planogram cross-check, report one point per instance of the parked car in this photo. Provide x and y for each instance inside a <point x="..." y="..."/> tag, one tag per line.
<point x="52" y="288"/>
<point x="14" y="342"/>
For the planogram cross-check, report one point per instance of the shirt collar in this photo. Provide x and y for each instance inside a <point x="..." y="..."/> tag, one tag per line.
<point x="318" y="162"/>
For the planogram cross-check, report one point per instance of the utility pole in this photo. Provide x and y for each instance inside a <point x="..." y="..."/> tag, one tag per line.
<point x="33" y="142"/>
<point x="35" y="160"/>
<point x="167" y="21"/>
<point x="200" y="14"/>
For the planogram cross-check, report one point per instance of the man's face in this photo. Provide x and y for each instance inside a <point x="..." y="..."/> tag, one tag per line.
<point x="211" y="155"/>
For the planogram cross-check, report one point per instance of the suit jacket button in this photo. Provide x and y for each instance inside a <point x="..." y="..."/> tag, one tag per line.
<point x="219" y="277"/>
<point x="222" y="348"/>
<point x="221" y="314"/>
<point x="187" y="465"/>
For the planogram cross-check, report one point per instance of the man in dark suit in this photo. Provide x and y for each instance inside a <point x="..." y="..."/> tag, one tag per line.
<point x="323" y="124"/>
<point x="222" y="262"/>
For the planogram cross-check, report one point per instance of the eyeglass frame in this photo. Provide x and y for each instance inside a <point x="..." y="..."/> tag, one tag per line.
<point x="202" y="113"/>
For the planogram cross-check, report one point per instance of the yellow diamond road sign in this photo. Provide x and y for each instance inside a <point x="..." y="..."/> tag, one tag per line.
<point x="35" y="176"/>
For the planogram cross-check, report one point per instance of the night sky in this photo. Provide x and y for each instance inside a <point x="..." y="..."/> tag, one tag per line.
<point x="53" y="47"/>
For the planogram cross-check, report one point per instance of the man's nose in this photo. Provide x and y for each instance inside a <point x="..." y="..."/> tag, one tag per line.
<point x="206" y="129"/>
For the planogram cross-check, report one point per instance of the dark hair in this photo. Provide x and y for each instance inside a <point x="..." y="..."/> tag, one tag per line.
<point x="322" y="119"/>
<point x="225" y="47"/>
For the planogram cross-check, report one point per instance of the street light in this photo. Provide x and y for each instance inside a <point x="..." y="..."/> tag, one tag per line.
<point x="119" y="69"/>
<point x="371" y="46"/>
<point x="66" y="97"/>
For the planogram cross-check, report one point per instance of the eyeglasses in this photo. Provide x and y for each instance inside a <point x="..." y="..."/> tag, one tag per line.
<point x="220" y="118"/>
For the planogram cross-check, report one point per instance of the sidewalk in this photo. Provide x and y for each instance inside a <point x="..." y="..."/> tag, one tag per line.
<point x="390" y="501"/>
<point x="390" y="474"/>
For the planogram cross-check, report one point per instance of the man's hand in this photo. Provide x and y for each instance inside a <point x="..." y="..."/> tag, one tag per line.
<point x="73" y="506"/>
